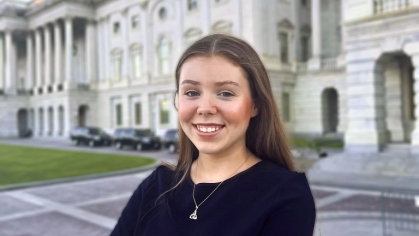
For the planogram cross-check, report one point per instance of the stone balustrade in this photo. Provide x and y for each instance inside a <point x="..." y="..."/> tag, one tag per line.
<point x="329" y="63"/>
<point x="385" y="6"/>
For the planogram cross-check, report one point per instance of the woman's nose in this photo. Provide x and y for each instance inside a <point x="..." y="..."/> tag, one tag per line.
<point x="206" y="106"/>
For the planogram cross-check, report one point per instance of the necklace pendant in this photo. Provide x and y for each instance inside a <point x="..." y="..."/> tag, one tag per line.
<point x="194" y="216"/>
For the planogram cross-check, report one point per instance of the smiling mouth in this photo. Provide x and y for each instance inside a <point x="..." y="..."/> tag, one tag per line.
<point x="209" y="128"/>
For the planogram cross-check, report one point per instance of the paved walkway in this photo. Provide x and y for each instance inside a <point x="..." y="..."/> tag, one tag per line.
<point x="348" y="202"/>
<point x="92" y="207"/>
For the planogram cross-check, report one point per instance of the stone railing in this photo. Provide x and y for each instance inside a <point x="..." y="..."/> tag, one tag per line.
<point x="385" y="6"/>
<point x="329" y="63"/>
<point x="302" y="66"/>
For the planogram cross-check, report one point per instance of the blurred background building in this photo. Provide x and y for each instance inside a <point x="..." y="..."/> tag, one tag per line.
<point x="339" y="68"/>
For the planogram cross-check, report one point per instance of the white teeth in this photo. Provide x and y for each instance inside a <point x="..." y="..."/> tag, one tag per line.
<point x="207" y="129"/>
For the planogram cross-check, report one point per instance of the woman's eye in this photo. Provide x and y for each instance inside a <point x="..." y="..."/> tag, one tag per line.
<point x="226" y="94"/>
<point x="191" y="93"/>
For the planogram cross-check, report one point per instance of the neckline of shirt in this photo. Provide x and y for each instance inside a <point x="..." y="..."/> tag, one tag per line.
<point x="227" y="180"/>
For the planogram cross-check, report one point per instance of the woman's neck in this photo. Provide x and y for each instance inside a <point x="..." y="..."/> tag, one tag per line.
<point x="217" y="168"/>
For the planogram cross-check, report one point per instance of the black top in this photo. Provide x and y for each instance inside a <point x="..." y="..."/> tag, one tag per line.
<point x="265" y="199"/>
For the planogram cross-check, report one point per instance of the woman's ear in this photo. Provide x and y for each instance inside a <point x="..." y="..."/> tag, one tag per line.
<point x="255" y="111"/>
<point x="176" y="101"/>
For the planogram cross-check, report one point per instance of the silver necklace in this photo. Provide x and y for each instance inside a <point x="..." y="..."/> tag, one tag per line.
<point x="194" y="215"/>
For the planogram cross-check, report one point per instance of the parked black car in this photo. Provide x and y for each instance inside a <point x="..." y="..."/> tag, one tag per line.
<point x="91" y="136"/>
<point x="139" y="139"/>
<point x="171" y="140"/>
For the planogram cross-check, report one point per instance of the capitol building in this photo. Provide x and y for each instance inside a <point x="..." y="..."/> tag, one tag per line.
<point x="339" y="68"/>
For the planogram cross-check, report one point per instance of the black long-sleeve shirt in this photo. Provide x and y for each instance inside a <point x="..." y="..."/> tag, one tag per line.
<point x="265" y="199"/>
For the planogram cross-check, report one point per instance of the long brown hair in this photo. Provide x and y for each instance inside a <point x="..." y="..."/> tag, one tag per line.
<point x="265" y="136"/>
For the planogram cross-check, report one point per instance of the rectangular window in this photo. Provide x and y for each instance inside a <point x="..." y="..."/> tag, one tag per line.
<point x="304" y="48"/>
<point x="286" y="107"/>
<point x="136" y="65"/>
<point x="135" y="22"/>
<point x="283" y="38"/>
<point x="192" y="5"/>
<point x="116" y="28"/>
<point x="137" y="112"/>
<point x="118" y="114"/>
<point x="117" y="68"/>
<point x="164" y="112"/>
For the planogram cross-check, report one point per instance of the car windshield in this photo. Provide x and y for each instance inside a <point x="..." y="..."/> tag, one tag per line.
<point x="96" y="131"/>
<point x="145" y="132"/>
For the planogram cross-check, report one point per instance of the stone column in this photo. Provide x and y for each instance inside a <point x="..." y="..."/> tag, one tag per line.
<point x="56" y="121"/>
<point x="206" y="19"/>
<point x="295" y="6"/>
<point x="125" y="39"/>
<point x="57" y="54"/>
<point x="68" y="49"/>
<point x="29" y="61"/>
<point x="10" y="83"/>
<point x="412" y="49"/>
<point x="106" y="42"/>
<point x="35" y="122"/>
<point x="146" y="58"/>
<point x="2" y="82"/>
<point x="315" y="61"/>
<point x="90" y="37"/>
<point x="38" y="59"/>
<point x="366" y="131"/>
<point x="46" y="122"/>
<point x="47" y="65"/>
<point x="99" y="51"/>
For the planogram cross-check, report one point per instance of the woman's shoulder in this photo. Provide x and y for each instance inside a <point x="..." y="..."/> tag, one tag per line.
<point x="282" y="178"/>
<point x="162" y="175"/>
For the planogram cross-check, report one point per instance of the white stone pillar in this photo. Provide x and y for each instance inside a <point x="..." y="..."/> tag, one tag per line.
<point x="125" y="39"/>
<point x="99" y="51"/>
<point x="206" y="16"/>
<point x="90" y="52"/>
<point x="295" y="6"/>
<point x="10" y="82"/>
<point x="415" y="133"/>
<point x="38" y="60"/>
<point x="46" y="122"/>
<point x="315" y="61"/>
<point x="68" y="49"/>
<point x="106" y="47"/>
<point x="146" y="58"/>
<point x="57" y="54"/>
<point x="56" y="121"/>
<point x="29" y="61"/>
<point x="47" y="65"/>
<point x="35" y="122"/>
<point x="2" y="74"/>
<point x="366" y="130"/>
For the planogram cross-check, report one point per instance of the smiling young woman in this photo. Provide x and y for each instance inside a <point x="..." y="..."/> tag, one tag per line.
<point x="235" y="174"/>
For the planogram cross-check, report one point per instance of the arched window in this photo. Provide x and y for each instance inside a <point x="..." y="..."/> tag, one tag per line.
<point x="191" y="36"/>
<point x="136" y="61"/>
<point x="117" y="64"/>
<point x="164" y="56"/>
<point x="222" y="27"/>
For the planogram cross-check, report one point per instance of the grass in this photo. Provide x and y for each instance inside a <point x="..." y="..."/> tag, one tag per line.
<point x="303" y="164"/>
<point x="317" y="144"/>
<point x="27" y="164"/>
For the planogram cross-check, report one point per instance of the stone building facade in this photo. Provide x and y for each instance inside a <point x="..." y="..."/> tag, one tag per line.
<point x="340" y="68"/>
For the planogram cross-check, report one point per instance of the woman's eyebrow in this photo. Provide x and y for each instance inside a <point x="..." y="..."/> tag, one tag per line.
<point x="188" y="81"/>
<point x="227" y="82"/>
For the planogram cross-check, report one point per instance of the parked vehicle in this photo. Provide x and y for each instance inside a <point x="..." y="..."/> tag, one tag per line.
<point x="171" y="140"/>
<point x="91" y="136"/>
<point x="139" y="139"/>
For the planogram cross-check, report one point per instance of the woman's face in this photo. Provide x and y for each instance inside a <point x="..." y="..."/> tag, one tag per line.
<point x="214" y="104"/>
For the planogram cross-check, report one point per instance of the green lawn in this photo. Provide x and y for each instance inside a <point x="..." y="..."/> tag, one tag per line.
<point x="26" y="164"/>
